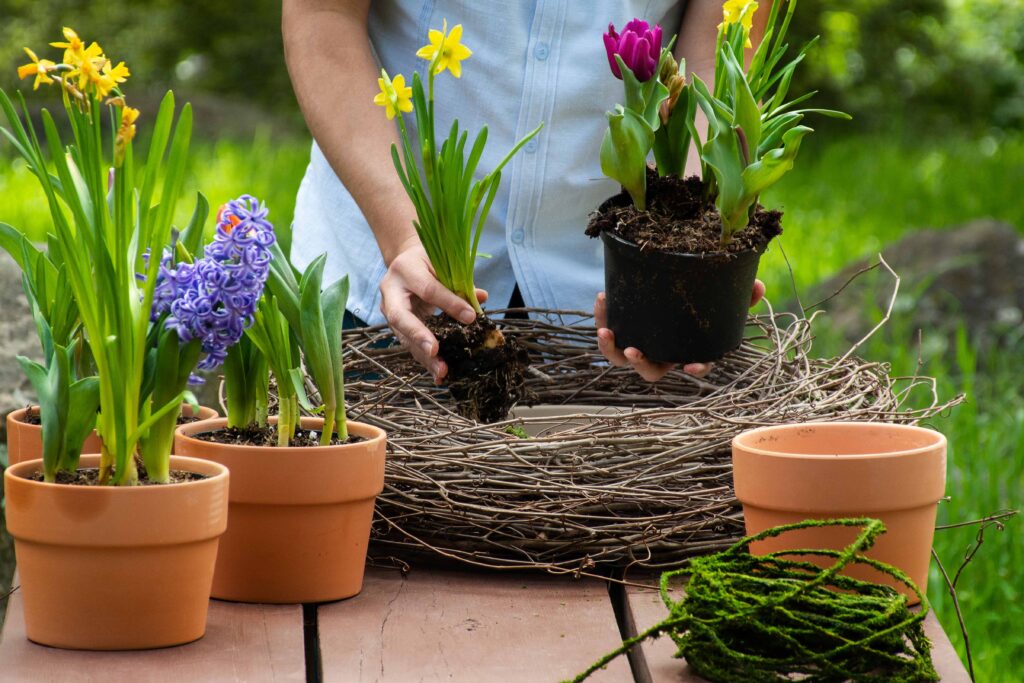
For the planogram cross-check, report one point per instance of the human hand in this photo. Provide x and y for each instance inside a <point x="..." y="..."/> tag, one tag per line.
<point x="650" y="370"/>
<point x="409" y="293"/>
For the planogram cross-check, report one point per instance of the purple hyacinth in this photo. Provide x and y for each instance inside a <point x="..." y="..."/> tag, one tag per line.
<point x="639" y="46"/>
<point x="214" y="298"/>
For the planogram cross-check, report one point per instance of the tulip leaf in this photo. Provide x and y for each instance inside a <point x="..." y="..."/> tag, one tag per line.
<point x="624" y="152"/>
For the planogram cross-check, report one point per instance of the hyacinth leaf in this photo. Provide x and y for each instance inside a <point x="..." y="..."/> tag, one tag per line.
<point x="313" y="335"/>
<point x="334" y="299"/>
<point x="192" y="237"/>
<point x="624" y="152"/>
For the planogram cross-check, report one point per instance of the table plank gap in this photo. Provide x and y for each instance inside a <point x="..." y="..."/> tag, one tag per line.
<point x="436" y="625"/>
<point x="253" y="643"/>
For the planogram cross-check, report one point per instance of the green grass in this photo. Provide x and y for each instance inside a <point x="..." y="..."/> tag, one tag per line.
<point x="845" y="200"/>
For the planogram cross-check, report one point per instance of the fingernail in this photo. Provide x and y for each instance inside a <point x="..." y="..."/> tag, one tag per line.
<point x="428" y="347"/>
<point x="633" y="354"/>
<point x="467" y="316"/>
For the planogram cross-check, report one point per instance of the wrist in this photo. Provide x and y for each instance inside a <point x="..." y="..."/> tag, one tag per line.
<point x="398" y="246"/>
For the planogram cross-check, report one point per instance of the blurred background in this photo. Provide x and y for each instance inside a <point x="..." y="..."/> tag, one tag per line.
<point x="930" y="173"/>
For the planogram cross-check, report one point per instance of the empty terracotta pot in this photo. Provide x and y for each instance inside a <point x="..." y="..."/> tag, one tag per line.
<point x="25" y="441"/>
<point x="829" y="470"/>
<point x="300" y="516"/>
<point x="116" y="567"/>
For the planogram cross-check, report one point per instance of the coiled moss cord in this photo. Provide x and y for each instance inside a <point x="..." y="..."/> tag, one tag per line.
<point x="748" y="618"/>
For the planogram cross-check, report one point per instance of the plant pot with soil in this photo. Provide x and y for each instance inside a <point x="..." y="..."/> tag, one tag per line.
<point x="303" y="488"/>
<point x="116" y="567"/>
<point x="681" y="253"/>
<point x="486" y="369"/>
<point x="300" y="515"/>
<point x="827" y="470"/>
<point x="116" y="549"/>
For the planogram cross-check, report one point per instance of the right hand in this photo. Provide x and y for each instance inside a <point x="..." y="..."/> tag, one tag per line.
<point x="410" y="291"/>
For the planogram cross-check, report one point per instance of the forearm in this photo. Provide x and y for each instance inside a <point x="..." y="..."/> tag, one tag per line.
<point x="334" y="74"/>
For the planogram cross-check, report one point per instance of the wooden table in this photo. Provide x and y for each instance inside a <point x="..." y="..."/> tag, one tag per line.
<point x="431" y="625"/>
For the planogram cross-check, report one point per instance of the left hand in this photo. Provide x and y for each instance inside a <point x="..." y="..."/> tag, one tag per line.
<point x="650" y="370"/>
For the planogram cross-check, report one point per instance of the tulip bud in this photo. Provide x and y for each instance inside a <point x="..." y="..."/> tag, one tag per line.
<point x="675" y="86"/>
<point x="669" y="68"/>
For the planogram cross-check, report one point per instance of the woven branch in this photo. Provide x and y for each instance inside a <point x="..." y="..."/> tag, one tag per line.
<point x="647" y="487"/>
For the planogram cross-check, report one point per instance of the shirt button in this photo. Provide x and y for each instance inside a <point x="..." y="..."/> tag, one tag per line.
<point x="518" y="235"/>
<point x="541" y="51"/>
<point x="531" y="146"/>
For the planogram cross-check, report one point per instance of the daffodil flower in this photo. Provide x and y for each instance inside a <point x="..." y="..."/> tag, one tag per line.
<point x="394" y="95"/>
<point x="73" y="46"/>
<point x="40" y="68"/>
<point x="742" y="12"/>
<point x="445" y="50"/>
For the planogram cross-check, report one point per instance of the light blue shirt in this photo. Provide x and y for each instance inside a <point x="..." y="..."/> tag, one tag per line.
<point x="532" y="61"/>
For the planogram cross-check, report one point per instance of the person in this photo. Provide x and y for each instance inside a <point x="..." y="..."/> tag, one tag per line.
<point x="539" y="60"/>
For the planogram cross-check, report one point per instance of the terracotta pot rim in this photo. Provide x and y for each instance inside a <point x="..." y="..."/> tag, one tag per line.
<point x="214" y="471"/>
<point x="186" y="431"/>
<point x="702" y="256"/>
<point x="16" y="415"/>
<point x="743" y="441"/>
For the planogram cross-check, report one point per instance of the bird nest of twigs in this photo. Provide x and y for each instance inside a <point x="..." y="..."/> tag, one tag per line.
<point x="633" y="474"/>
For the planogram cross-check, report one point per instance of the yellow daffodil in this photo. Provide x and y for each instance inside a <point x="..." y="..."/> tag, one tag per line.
<point x="73" y="46"/>
<point x="742" y="12"/>
<point x="119" y="73"/>
<point x="394" y="95"/>
<point x="40" y="68"/>
<point x="445" y="50"/>
<point x="125" y="133"/>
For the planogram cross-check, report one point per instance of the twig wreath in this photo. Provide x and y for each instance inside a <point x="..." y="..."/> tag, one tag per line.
<point x="647" y="487"/>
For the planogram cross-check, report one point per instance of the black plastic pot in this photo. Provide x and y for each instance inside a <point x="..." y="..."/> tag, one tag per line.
<point x="674" y="307"/>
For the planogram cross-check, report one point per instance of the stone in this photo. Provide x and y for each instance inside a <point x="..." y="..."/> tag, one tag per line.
<point x="971" y="275"/>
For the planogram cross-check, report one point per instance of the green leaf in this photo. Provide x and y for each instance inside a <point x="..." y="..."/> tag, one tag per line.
<point x="192" y="237"/>
<point x="722" y="155"/>
<point x="624" y="150"/>
<point x="767" y="171"/>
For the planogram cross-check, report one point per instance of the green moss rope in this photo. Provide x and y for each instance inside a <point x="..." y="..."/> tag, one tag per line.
<point x="749" y="618"/>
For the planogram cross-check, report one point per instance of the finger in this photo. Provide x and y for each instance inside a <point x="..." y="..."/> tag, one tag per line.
<point x="413" y="334"/>
<point x="698" y="370"/>
<point x="650" y="370"/>
<point x="606" y="344"/>
<point x="757" y="294"/>
<point x="434" y="293"/>
<point x="481" y="295"/>
<point x="601" y="310"/>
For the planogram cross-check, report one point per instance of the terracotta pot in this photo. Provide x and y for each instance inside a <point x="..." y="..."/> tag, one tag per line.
<point x="300" y="516"/>
<point x="116" y="568"/>
<point x="829" y="470"/>
<point x="25" y="441"/>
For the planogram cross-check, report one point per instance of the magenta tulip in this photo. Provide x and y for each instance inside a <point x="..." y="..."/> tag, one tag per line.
<point x="639" y="46"/>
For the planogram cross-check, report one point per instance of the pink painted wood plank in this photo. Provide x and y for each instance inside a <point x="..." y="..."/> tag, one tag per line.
<point x="242" y="643"/>
<point x="648" y="609"/>
<point x="455" y="626"/>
